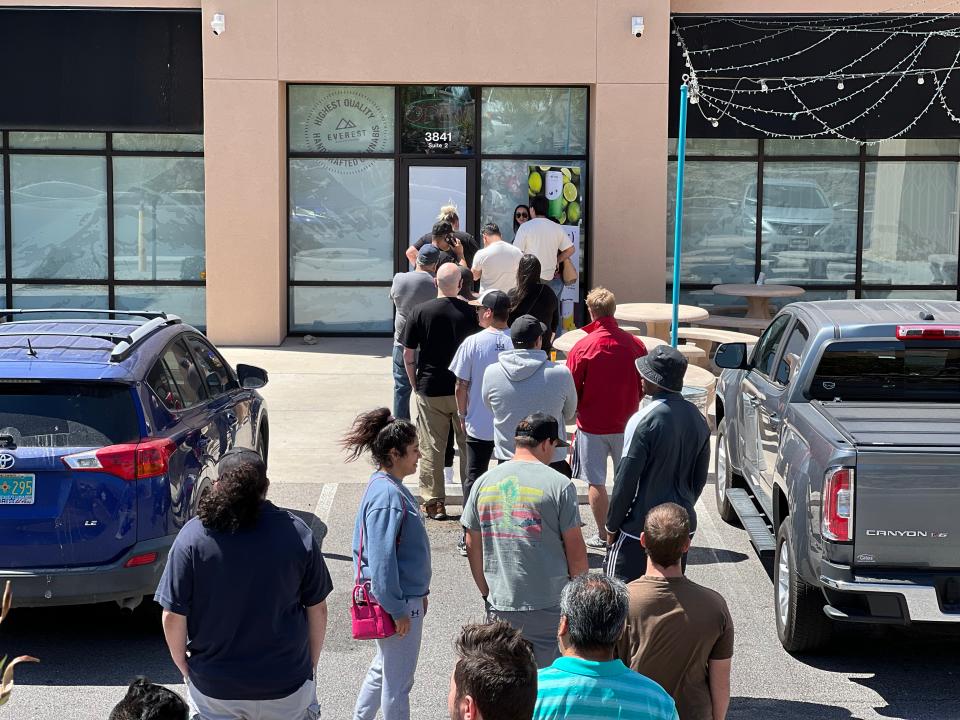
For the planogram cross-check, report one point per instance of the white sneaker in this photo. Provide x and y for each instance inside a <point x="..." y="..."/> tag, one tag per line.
<point x="448" y="476"/>
<point x="596" y="542"/>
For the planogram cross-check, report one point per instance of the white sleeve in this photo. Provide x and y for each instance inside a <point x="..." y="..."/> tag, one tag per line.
<point x="565" y="241"/>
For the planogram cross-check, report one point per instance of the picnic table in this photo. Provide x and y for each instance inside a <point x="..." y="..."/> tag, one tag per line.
<point x="658" y="316"/>
<point x="817" y="260"/>
<point x="565" y="344"/>
<point x="758" y="296"/>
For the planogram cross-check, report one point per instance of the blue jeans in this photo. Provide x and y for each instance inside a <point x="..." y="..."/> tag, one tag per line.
<point x="401" y="386"/>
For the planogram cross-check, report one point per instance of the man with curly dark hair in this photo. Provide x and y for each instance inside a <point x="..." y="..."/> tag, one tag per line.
<point x="244" y="592"/>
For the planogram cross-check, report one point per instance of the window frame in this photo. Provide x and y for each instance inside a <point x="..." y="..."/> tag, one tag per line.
<point x="786" y="318"/>
<point x="798" y="328"/>
<point x="400" y="196"/>
<point x="109" y="154"/>
<point x="232" y="382"/>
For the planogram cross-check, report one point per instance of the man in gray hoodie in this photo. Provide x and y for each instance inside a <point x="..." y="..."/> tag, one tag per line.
<point x="522" y="382"/>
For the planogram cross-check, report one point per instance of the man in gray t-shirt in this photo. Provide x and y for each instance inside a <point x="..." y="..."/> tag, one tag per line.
<point x="524" y="540"/>
<point x="408" y="290"/>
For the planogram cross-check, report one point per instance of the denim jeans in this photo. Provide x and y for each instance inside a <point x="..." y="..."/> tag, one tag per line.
<point x="401" y="385"/>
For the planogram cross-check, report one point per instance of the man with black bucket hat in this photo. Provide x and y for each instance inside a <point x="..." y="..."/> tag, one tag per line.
<point x="666" y="456"/>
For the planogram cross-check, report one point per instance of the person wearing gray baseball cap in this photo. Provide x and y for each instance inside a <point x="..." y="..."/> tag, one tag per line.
<point x="665" y="458"/>
<point x="244" y="600"/>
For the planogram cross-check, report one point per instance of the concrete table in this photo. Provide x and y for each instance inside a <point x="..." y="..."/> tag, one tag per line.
<point x="658" y="316"/>
<point x="817" y="260"/>
<point x="758" y="296"/>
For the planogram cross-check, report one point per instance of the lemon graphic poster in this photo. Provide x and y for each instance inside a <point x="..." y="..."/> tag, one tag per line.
<point x="563" y="188"/>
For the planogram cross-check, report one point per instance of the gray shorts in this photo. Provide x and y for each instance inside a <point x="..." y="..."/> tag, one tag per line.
<point x="590" y="454"/>
<point x="301" y="705"/>
<point x="538" y="627"/>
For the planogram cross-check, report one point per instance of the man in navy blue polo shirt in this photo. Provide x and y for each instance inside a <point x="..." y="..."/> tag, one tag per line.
<point x="244" y="594"/>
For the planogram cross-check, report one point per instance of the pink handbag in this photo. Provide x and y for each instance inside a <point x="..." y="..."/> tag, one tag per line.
<point x="368" y="618"/>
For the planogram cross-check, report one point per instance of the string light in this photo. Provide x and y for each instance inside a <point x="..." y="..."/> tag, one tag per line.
<point x="715" y="99"/>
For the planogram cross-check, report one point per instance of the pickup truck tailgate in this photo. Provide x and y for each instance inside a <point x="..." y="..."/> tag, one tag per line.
<point x="907" y="496"/>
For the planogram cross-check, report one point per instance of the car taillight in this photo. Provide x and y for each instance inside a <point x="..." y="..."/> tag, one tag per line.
<point x="129" y="461"/>
<point x="140" y="560"/>
<point x="838" y="505"/>
<point x="928" y="332"/>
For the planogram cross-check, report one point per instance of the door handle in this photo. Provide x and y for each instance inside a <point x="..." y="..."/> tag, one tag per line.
<point x="231" y="418"/>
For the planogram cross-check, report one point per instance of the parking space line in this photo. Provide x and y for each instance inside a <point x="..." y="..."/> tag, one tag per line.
<point x="325" y="503"/>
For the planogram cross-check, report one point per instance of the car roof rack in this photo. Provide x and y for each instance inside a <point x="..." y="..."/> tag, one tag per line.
<point x="124" y="344"/>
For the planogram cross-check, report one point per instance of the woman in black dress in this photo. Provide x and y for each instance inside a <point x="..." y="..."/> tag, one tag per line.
<point x="533" y="297"/>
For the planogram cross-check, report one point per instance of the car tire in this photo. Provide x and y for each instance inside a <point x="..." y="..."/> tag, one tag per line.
<point x="801" y="623"/>
<point x="262" y="448"/>
<point x="724" y="476"/>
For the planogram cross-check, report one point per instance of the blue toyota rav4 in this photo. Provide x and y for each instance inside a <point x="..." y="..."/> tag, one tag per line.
<point x="110" y="431"/>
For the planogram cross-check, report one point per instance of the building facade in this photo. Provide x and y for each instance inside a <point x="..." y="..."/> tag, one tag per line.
<point x="329" y="134"/>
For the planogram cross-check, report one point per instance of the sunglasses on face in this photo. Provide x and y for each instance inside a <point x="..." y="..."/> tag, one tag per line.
<point x="522" y="216"/>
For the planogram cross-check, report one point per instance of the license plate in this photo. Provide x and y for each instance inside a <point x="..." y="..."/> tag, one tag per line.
<point x="17" y="489"/>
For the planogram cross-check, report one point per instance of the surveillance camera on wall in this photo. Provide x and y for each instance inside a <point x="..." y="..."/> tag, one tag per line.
<point x="218" y="24"/>
<point x="636" y="25"/>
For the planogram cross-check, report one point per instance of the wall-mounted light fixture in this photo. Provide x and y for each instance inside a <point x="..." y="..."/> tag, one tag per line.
<point x="636" y="25"/>
<point x="218" y="24"/>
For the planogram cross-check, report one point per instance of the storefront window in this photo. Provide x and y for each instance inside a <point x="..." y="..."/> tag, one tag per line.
<point x="341" y="219"/>
<point x="59" y="216"/>
<point x="719" y="222"/>
<point x="534" y="121"/>
<point x="336" y="310"/>
<point x="910" y="233"/>
<point x="787" y="146"/>
<point x="438" y="120"/>
<point x="809" y="222"/>
<point x="342" y="119"/>
<point x="158" y="206"/>
<point x="62" y="239"/>
<point x="905" y="148"/>
<point x="709" y="147"/>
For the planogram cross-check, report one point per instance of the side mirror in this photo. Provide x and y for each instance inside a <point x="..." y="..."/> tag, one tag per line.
<point x="251" y="378"/>
<point x="731" y="356"/>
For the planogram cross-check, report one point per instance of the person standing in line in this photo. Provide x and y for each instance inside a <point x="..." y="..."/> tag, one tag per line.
<point x="523" y="381"/>
<point x="436" y="328"/>
<point x="244" y="601"/>
<point x="392" y="550"/>
<point x="521" y="213"/>
<point x="544" y="238"/>
<point x="666" y="456"/>
<point x="408" y="290"/>
<point x="448" y="215"/>
<point x="608" y="392"/>
<point x="523" y="536"/>
<point x="495" y="676"/>
<point x="496" y="265"/>
<point x="473" y="357"/>
<point x="679" y="633"/>
<point x="532" y="297"/>
<point x="589" y="681"/>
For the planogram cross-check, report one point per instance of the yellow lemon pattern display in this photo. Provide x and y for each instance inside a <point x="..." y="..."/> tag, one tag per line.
<point x="562" y="186"/>
<point x="535" y="182"/>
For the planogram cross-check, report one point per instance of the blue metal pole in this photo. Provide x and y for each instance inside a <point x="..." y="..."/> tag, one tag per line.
<point x="678" y="216"/>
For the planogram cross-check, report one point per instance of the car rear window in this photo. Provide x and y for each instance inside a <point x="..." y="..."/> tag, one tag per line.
<point x="65" y="414"/>
<point x="920" y="371"/>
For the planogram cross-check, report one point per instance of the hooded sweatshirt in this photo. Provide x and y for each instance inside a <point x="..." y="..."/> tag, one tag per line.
<point x="521" y="383"/>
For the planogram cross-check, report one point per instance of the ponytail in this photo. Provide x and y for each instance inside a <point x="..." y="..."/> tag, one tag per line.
<point x="379" y="432"/>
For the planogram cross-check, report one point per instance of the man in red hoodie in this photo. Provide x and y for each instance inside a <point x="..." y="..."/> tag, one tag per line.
<point x="609" y="390"/>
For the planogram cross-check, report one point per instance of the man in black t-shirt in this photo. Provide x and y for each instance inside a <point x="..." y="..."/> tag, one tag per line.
<point x="244" y="601"/>
<point x="436" y="328"/>
<point x="448" y="214"/>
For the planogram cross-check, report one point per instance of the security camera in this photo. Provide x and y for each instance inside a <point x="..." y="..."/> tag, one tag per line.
<point x="218" y="24"/>
<point x="636" y="26"/>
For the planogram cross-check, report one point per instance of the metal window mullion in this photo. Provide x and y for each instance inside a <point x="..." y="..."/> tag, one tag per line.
<point x="7" y="221"/>
<point x="758" y="246"/>
<point x="861" y="208"/>
<point x="111" y="253"/>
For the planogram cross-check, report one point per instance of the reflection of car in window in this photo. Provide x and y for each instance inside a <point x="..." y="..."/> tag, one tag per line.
<point x="794" y="211"/>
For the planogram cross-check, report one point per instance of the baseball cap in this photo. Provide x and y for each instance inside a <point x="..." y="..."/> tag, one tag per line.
<point x="664" y="366"/>
<point x="238" y="457"/>
<point x="525" y="330"/>
<point x="540" y="427"/>
<point x="496" y="300"/>
<point x="429" y="255"/>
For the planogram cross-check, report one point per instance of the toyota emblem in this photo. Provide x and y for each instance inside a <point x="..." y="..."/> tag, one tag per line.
<point x="6" y="461"/>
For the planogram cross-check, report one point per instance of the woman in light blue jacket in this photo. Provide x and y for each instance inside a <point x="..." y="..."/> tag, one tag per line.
<point x="394" y="559"/>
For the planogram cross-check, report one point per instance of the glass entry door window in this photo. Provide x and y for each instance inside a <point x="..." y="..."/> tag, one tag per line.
<point x="431" y="187"/>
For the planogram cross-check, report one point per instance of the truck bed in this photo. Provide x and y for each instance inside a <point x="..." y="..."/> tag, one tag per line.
<point x="895" y="424"/>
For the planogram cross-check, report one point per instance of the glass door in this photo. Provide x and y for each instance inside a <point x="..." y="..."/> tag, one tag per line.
<point x="431" y="185"/>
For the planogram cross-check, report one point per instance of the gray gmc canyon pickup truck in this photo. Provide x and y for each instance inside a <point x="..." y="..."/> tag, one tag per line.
<point x="838" y="449"/>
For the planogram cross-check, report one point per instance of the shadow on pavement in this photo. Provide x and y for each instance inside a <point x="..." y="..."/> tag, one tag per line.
<point x="89" y="645"/>
<point x="742" y="708"/>
<point x="712" y="556"/>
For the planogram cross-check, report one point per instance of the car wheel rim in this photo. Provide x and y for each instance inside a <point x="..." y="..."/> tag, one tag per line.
<point x="721" y="468"/>
<point x="783" y="584"/>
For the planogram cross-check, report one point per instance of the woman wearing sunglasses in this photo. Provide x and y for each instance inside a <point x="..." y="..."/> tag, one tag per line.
<point x="521" y="213"/>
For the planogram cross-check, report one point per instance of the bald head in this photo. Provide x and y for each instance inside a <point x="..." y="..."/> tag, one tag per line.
<point x="448" y="280"/>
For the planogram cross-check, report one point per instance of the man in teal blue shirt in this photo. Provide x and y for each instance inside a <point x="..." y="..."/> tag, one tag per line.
<point x="587" y="682"/>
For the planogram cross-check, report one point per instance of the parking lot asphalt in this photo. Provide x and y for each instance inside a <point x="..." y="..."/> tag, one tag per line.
<point x="88" y="654"/>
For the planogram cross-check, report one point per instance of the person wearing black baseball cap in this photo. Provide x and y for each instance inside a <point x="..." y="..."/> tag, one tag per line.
<point x="244" y="593"/>
<point x="665" y="459"/>
<point x="525" y="516"/>
<point x="473" y="357"/>
<point x="524" y="381"/>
